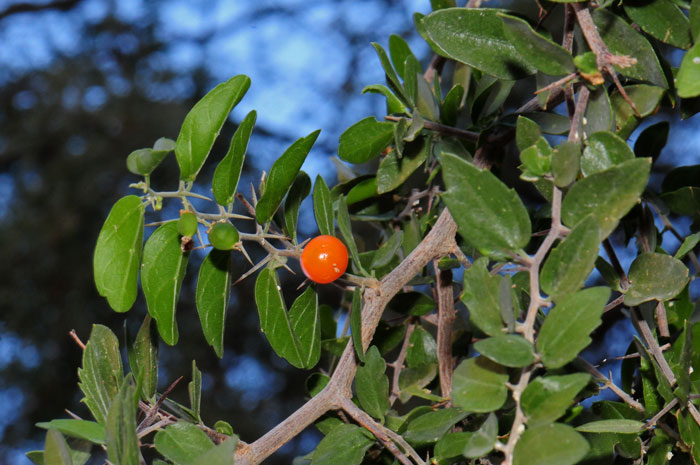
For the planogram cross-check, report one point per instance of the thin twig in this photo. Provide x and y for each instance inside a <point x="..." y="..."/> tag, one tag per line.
<point x="667" y="408"/>
<point x="398" y="363"/>
<point x="77" y="340"/>
<point x="654" y="348"/>
<point x="661" y="320"/>
<point x="626" y="398"/>
<point x="443" y="129"/>
<point x="446" y="318"/>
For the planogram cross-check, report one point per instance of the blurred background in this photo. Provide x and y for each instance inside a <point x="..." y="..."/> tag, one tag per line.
<point x="85" y="82"/>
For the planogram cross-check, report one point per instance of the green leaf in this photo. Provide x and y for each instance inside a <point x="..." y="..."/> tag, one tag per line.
<point x="182" y="443"/>
<point x="451" y="105"/>
<point x="194" y="389"/>
<point x="387" y="251"/>
<point x="652" y="140"/>
<point x="372" y="385"/>
<point x="694" y="16"/>
<point x="305" y="319"/>
<point x="363" y="190"/>
<point x="297" y="193"/>
<point x="282" y="175"/>
<point x="566" y="328"/>
<point x="554" y="444"/>
<point x="621" y="426"/>
<point x="604" y="150"/>
<point x="565" y="163"/>
<point x="481" y="297"/>
<point x="356" y="324"/>
<point x="162" y="272"/>
<point x="490" y="216"/>
<point x="422" y="348"/>
<point x="527" y="133"/>
<point x="221" y="454"/>
<point x="393" y="104"/>
<point x="223" y="427"/>
<point x="547" y="398"/>
<point x="101" y="373"/>
<point x="228" y="171"/>
<point x="661" y="19"/>
<point x="399" y="51"/>
<point x="118" y="253"/>
<point x="143" y="161"/>
<point x="274" y="321"/>
<point x="688" y="78"/>
<point x="344" y="444"/>
<point x="120" y="429"/>
<point x="391" y="76"/>
<point x="393" y="171"/>
<point x="510" y="350"/>
<point x="323" y="207"/>
<point x="540" y="52"/>
<point x="483" y="439"/>
<point x="622" y="39"/>
<point x="599" y="114"/>
<point x="212" y="296"/>
<point x="203" y="123"/>
<point x="687" y="246"/>
<point x="479" y="385"/>
<point x="654" y="276"/>
<point x="346" y="232"/>
<point x="143" y="358"/>
<point x="475" y="37"/>
<point x="83" y="429"/>
<point x="430" y="427"/>
<point x="56" y="450"/>
<point x="365" y="140"/>
<point x="449" y="447"/>
<point x="571" y="262"/>
<point x="607" y="195"/>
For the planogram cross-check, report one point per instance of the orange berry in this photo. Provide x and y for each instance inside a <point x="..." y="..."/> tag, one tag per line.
<point x="324" y="259"/>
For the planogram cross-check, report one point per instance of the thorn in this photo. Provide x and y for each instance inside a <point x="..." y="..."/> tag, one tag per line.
<point x="240" y="247"/>
<point x="254" y="269"/>
<point x="303" y="283"/>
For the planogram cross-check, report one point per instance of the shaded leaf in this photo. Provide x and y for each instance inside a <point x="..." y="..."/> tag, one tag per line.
<point x="372" y="385"/>
<point x="120" y="429"/>
<point x="527" y="133"/>
<point x="228" y="171"/>
<point x="554" y="444"/>
<point x="365" y="140"/>
<point x="387" y="251"/>
<point x="422" y="348"/>
<point x="101" y="372"/>
<point x="143" y="358"/>
<point x="490" y="216"/>
<point x="479" y="385"/>
<point x="306" y="325"/>
<point x="203" y="123"/>
<point x="482" y="440"/>
<point x="221" y="454"/>
<point x="655" y="276"/>
<point x="509" y="350"/>
<point x="182" y="443"/>
<point x="212" y="296"/>
<point x="547" y="398"/>
<point x="622" y="426"/>
<point x="323" y="207"/>
<point x="83" y="429"/>
<point x="162" y="272"/>
<point x="481" y="296"/>
<point x="571" y="262"/>
<point x="118" y="253"/>
<point x="430" y="427"/>
<point x="344" y="444"/>
<point x="393" y="171"/>
<point x="661" y="19"/>
<point x="566" y="329"/>
<point x="282" y="175"/>
<point x="475" y="37"/>
<point x="599" y="114"/>
<point x="604" y="150"/>
<point x="297" y="193"/>
<point x="607" y="195"/>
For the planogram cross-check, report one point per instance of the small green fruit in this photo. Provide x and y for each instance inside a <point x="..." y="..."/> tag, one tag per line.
<point x="187" y="225"/>
<point x="223" y="236"/>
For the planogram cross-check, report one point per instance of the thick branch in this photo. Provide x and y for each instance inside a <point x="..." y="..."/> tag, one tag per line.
<point x="446" y="318"/>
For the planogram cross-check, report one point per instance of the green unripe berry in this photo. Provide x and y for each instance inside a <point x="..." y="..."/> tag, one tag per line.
<point x="187" y="225"/>
<point x="223" y="236"/>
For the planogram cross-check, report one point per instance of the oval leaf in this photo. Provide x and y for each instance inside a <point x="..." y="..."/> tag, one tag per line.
<point x="479" y="385"/>
<point x="510" y="350"/>
<point x="393" y="171"/>
<point x="546" y="399"/>
<point x="663" y="20"/>
<point x="305" y="318"/>
<point x="604" y="150"/>
<point x="83" y="429"/>
<point x="688" y="79"/>
<point x="566" y="328"/>
<point x="203" y="123"/>
<point x="490" y="216"/>
<point x="144" y="161"/>
<point x="323" y="207"/>
<point x="554" y="444"/>
<point x="118" y="253"/>
<point x="430" y="427"/>
<point x="228" y="171"/>
<point x="282" y="175"/>
<point x="365" y="140"/>
<point x="274" y="321"/>
<point x="621" y="426"/>
<point x="212" y="296"/>
<point x="344" y="444"/>
<point x="182" y="442"/>
<point x="476" y="37"/>
<point x="101" y="371"/>
<point x="607" y="195"/>
<point x="297" y="193"/>
<point x="481" y="296"/>
<point x="570" y="263"/>
<point x="163" y="268"/>
<point x="540" y="52"/>
<point x="655" y="276"/>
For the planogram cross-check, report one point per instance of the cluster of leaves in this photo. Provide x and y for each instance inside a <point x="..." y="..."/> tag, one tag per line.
<point x="528" y="294"/>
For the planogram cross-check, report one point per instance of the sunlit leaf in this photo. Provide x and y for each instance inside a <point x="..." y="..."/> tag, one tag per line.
<point x="509" y="350"/>
<point x="604" y="150"/>
<point x="101" y="373"/>
<point x="162" y="272"/>
<point x="430" y="427"/>
<point x="323" y="207"/>
<point x="479" y="385"/>
<point x="118" y="253"/>
<point x="688" y="78"/>
<point x="393" y="171"/>
<point x="120" y="429"/>
<point x="663" y="20"/>
<point x="83" y="429"/>
<point x="56" y="450"/>
<point x="344" y="444"/>
<point x="182" y="442"/>
<point x="228" y="171"/>
<point x="481" y="296"/>
<point x="212" y="296"/>
<point x="365" y="140"/>
<point x="547" y="398"/>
